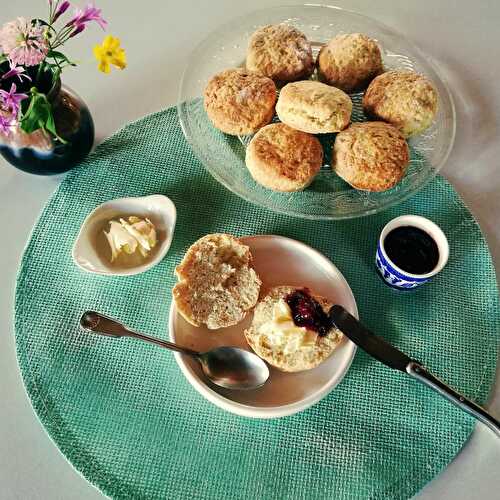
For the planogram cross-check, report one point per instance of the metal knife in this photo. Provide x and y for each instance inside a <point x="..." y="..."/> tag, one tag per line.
<point x="394" y="358"/>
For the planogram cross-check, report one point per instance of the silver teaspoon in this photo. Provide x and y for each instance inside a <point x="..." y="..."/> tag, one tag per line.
<point x="228" y="367"/>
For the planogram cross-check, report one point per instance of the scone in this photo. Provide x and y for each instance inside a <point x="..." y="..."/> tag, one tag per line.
<point x="371" y="156"/>
<point x="239" y="102"/>
<point x="349" y="62"/>
<point x="291" y="329"/>
<point x="404" y="99"/>
<point x="314" y="107"/>
<point x="217" y="283"/>
<point x="282" y="158"/>
<point x="280" y="52"/>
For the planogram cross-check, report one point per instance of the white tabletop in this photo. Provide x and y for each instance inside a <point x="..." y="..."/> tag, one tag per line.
<point x="462" y="37"/>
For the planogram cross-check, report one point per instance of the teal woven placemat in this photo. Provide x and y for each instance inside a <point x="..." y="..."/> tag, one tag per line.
<point x="125" y="417"/>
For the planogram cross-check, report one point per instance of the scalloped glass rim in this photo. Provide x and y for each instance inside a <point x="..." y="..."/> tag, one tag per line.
<point x="203" y="137"/>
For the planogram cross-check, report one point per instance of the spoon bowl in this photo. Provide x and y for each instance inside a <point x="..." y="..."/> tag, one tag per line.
<point x="234" y="368"/>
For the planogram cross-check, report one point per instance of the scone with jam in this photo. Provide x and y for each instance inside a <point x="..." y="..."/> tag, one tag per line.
<point x="291" y="329"/>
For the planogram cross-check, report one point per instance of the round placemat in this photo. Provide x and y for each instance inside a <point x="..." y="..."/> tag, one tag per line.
<point x="125" y="417"/>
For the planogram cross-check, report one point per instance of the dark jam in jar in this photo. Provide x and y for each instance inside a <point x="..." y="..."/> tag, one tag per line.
<point x="412" y="249"/>
<point x="307" y="312"/>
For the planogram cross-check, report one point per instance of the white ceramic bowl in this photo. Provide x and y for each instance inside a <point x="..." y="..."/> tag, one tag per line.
<point x="278" y="261"/>
<point x="91" y="251"/>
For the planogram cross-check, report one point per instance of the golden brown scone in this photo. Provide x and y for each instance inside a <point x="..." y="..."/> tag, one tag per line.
<point x="371" y="156"/>
<point x="314" y="107"/>
<point x="239" y="102"/>
<point x="282" y="158"/>
<point x="217" y="283"/>
<point x="280" y="52"/>
<point x="274" y="336"/>
<point x="349" y="62"/>
<point x="404" y="99"/>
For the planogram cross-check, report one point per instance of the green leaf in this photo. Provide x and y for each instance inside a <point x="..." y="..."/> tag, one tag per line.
<point x="51" y="126"/>
<point x="56" y="73"/>
<point x="59" y="56"/>
<point x="40" y="21"/>
<point x="36" y="114"/>
<point x="39" y="116"/>
<point x="3" y="58"/>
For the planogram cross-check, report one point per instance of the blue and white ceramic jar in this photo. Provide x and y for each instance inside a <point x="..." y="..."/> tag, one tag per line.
<point x="393" y="275"/>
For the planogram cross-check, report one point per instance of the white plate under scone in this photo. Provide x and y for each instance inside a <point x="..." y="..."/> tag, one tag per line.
<point x="278" y="261"/>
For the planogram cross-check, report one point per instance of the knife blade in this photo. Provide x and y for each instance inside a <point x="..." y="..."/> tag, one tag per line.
<point x="394" y="358"/>
<point x="369" y="342"/>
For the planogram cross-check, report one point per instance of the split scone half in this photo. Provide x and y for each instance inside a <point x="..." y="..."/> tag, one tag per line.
<point x="217" y="283"/>
<point x="277" y="337"/>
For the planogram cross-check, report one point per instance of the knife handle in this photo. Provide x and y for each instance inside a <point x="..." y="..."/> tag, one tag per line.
<point x="417" y="371"/>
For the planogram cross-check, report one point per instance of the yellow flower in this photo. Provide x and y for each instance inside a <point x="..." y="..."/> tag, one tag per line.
<point x="109" y="53"/>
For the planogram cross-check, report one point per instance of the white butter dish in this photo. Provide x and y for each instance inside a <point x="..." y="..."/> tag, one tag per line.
<point x="91" y="251"/>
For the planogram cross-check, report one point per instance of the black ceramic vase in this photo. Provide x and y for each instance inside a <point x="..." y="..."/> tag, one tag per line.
<point x="38" y="152"/>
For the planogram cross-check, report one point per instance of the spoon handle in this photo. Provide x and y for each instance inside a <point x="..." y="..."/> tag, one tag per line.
<point x="95" y="322"/>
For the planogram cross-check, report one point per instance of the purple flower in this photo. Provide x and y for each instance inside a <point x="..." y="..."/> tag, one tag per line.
<point x="14" y="70"/>
<point x="77" y="30"/>
<point x="6" y="122"/>
<point x="88" y="14"/>
<point x="61" y="10"/>
<point x="10" y="100"/>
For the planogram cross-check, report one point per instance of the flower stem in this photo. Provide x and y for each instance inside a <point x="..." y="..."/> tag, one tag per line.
<point x="53" y="10"/>
<point x="59" y="68"/>
<point x="39" y="73"/>
<point x="62" y="36"/>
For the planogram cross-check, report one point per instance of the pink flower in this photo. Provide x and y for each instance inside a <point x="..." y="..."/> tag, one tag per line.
<point x="6" y="122"/>
<point x="14" y="70"/>
<point x="10" y="100"/>
<point x="61" y="10"/>
<point x="77" y="30"/>
<point x="88" y="14"/>
<point x="10" y="104"/>
<point x="23" y="42"/>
